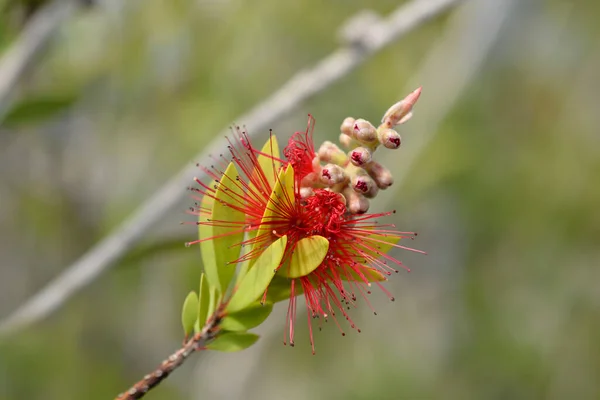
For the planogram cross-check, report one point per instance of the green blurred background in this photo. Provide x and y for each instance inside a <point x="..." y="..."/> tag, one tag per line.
<point x="504" y="191"/>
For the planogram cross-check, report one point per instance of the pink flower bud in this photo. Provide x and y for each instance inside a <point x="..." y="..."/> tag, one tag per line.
<point x="347" y="126"/>
<point x="402" y="110"/>
<point x="360" y="156"/>
<point x="332" y="174"/>
<point x="373" y="190"/>
<point x="355" y="203"/>
<point x="362" y="183"/>
<point x="364" y="131"/>
<point x="380" y="174"/>
<point x="330" y="152"/>
<point x="347" y="141"/>
<point x="389" y="138"/>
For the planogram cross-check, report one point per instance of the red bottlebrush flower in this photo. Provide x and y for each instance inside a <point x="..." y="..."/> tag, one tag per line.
<point x="300" y="151"/>
<point x="356" y="243"/>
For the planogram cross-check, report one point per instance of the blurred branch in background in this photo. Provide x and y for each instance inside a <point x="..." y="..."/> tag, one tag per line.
<point x="449" y="67"/>
<point x="35" y="38"/>
<point x="299" y="88"/>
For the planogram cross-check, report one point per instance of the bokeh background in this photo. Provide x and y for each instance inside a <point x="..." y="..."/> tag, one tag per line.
<point x="499" y="173"/>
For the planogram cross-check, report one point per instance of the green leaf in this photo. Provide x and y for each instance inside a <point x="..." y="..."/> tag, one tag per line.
<point x="268" y="163"/>
<point x="280" y="289"/>
<point x="375" y="245"/>
<point x="233" y="341"/>
<point x="258" y="278"/>
<point x="220" y="252"/>
<point x="248" y="318"/>
<point x="281" y="197"/>
<point x="214" y="296"/>
<point x="227" y="244"/>
<point x="203" y="302"/>
<point x="306" y="256"/>
<point x="37" y="109"/>
<point x="372" y="274"/>
<point x="266" y="173"/>
<point x="207" y="248"/>
<point x="189" y="313"/>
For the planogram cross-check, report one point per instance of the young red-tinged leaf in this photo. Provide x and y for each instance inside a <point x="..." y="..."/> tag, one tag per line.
<point x="248" y="318"/>
<point x="306" y="257"/>
<point x="189" y="313"/>
<point x="258" y="278"/>
<point x="233" y="341"/>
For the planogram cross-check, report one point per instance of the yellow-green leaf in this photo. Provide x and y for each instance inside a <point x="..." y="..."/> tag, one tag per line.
<point x="207" y="248"/>
<point x="307" y="255"/>
<point x="214" y="296"/>
<point x="372" y="274"/>
<point x="280" y="289"/>
<point x="233" y="341"/>
<point x="281" y="197"/>
<point x="270" y="165"/>
<point x="203" y="302"/>
<point x="248" y="318"/>
<point x="375" y="245"/>
<point x="229" y="229"/>
<point x="189" y="312"/>
<point x="266" y="172"/>
<point x="225" y="226"/>
<point x="258" y="278"/>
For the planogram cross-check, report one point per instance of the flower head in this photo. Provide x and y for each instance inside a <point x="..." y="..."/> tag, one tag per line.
<point x="317" y="200"/>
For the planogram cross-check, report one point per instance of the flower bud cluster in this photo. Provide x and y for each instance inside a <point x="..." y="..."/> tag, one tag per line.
<point x="353" y="172"/>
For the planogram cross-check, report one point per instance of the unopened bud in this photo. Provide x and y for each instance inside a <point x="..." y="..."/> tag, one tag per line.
<point x="311" y="178"/>
<point x="389" y="138"/>
<point x="355" y="203"/>
<point x="360" y="156"/>
<point x="380" y="174"/>
<point x="330" y="152"/>
<point x="332" y="174"/>
<point x="364" y="131"/>
<point x="401" y="112"/>
<point x="362" y="183"/>
<point x="373" y="190"/>
<point x="347" y="141"/>
<point x="347" y="126"/>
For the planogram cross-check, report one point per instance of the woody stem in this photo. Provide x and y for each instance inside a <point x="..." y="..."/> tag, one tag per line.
<point x="153" y="379"/>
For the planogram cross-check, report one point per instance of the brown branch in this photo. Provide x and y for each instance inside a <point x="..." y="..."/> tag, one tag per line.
<point x="153" y="379"/>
